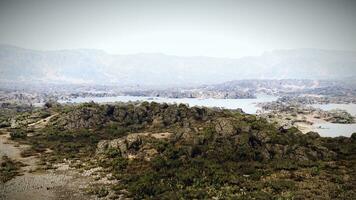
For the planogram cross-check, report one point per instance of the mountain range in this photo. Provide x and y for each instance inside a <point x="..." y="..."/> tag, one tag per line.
<point x="98" y="67"/>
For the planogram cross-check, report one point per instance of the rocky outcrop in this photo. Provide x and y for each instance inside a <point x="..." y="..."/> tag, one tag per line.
<point x="340" y="117"/>
<point x="225" y="127"/>
<point x="86" y="116"/>
<point x="248" y="137"/>
<point x="135" y="145"/>
<point x="155" y="115"/>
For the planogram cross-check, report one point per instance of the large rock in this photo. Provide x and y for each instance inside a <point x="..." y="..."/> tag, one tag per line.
<point x="134" y="145"/>
<point x="225" y="127"/>
<point x="87" y="117"/>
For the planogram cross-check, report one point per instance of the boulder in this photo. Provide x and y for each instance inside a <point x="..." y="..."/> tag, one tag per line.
<point x="225" y="127"/>
<point x="134" y="145"/>
<point x="102" y="146"/>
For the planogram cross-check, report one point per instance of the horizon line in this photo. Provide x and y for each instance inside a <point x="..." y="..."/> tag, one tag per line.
<point x="172" y="55"/>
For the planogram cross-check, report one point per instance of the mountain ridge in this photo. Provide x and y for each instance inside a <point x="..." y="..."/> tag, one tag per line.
<point x="99" y="67"/>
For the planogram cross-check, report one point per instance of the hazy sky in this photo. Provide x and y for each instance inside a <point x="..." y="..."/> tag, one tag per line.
<point x="194" y="28"/>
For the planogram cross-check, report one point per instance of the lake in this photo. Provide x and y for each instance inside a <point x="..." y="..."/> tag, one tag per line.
<point x="247" y="105"/>
<point x="332" y="130"/>
<point x="327" y="129"/>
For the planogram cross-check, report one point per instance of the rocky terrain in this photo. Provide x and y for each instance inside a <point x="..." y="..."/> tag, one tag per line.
<point x="294" y="109"/>
<point x="319" y="99"/>
<point x="291" y="112"/>
<point x="161" y="151"/>
<point x="289" y="90"/>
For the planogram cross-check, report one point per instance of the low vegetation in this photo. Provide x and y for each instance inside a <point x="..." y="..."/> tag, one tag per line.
<point x="161" y="151"/>
<point x="9" y="169"/>
<point x="18" y="134"/>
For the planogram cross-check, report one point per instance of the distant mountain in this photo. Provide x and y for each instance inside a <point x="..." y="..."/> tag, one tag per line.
<point x="93" y="66"/>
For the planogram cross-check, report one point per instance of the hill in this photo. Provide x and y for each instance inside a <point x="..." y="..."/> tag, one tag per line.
<point x="161" y="151"/>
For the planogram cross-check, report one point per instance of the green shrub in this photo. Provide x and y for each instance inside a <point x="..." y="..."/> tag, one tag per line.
<point x="282" y="185"/>
<point x="8" y="169"/>
<point x="18" y="134"/>
<point x="284" y="165"/>
<point x="4" y="124"/>
<point x="100" y="192"/>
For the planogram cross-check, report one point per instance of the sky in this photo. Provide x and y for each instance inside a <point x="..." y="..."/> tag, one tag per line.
<point x="219" y="28"/>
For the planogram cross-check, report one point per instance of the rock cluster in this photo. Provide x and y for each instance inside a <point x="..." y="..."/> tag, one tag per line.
<point x="92" y="115"/>
<point x="246" y="137"/>
<point x="134" y="146"/>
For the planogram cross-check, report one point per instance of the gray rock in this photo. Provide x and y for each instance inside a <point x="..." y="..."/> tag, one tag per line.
<point x="225" y="127"/>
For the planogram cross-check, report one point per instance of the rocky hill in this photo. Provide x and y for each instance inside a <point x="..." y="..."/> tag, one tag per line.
<point x="162" y="151"/>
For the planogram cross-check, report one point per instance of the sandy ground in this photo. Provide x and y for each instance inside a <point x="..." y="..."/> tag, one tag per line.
<point x="305" y="127"/>
<point x="62" y="183"/>
<point x="44" y="185"/>
<point x="41" y="123"/>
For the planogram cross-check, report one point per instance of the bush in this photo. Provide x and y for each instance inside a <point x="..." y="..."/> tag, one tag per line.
<point x="18" y="134"/>
<point x="145" y="186"/>
<point x="99" y="192"/>
<point x="353" y="136"/>
<point x="284" y="165"/>
<point x="4" y="124"/>
<point x="8" y="169"/>
<point x="282" y="185"/>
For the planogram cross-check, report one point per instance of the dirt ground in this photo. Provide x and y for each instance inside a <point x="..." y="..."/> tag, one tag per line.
<point x="62" y="183"/>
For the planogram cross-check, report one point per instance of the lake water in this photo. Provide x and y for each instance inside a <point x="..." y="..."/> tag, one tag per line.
<point x="332" y="130"/>
<point x="327" y="129"/>
<point x="247" y="105"/>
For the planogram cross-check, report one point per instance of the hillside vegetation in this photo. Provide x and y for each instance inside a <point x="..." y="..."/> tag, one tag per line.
<point x="161" y="151"/>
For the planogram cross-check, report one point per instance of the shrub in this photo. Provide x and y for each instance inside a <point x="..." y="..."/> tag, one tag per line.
<point x="18" y="134"/>
<point x="4" y="124"/>
<point x="99" y="192"/>
<point x="8" y="169"/>
<point x="282" y="185"/>
<point x="284" y="165"/>
<point x="353" y="136"/>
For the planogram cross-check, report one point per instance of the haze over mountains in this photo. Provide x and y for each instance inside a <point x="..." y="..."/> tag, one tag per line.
<point x="97" y="67"/>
